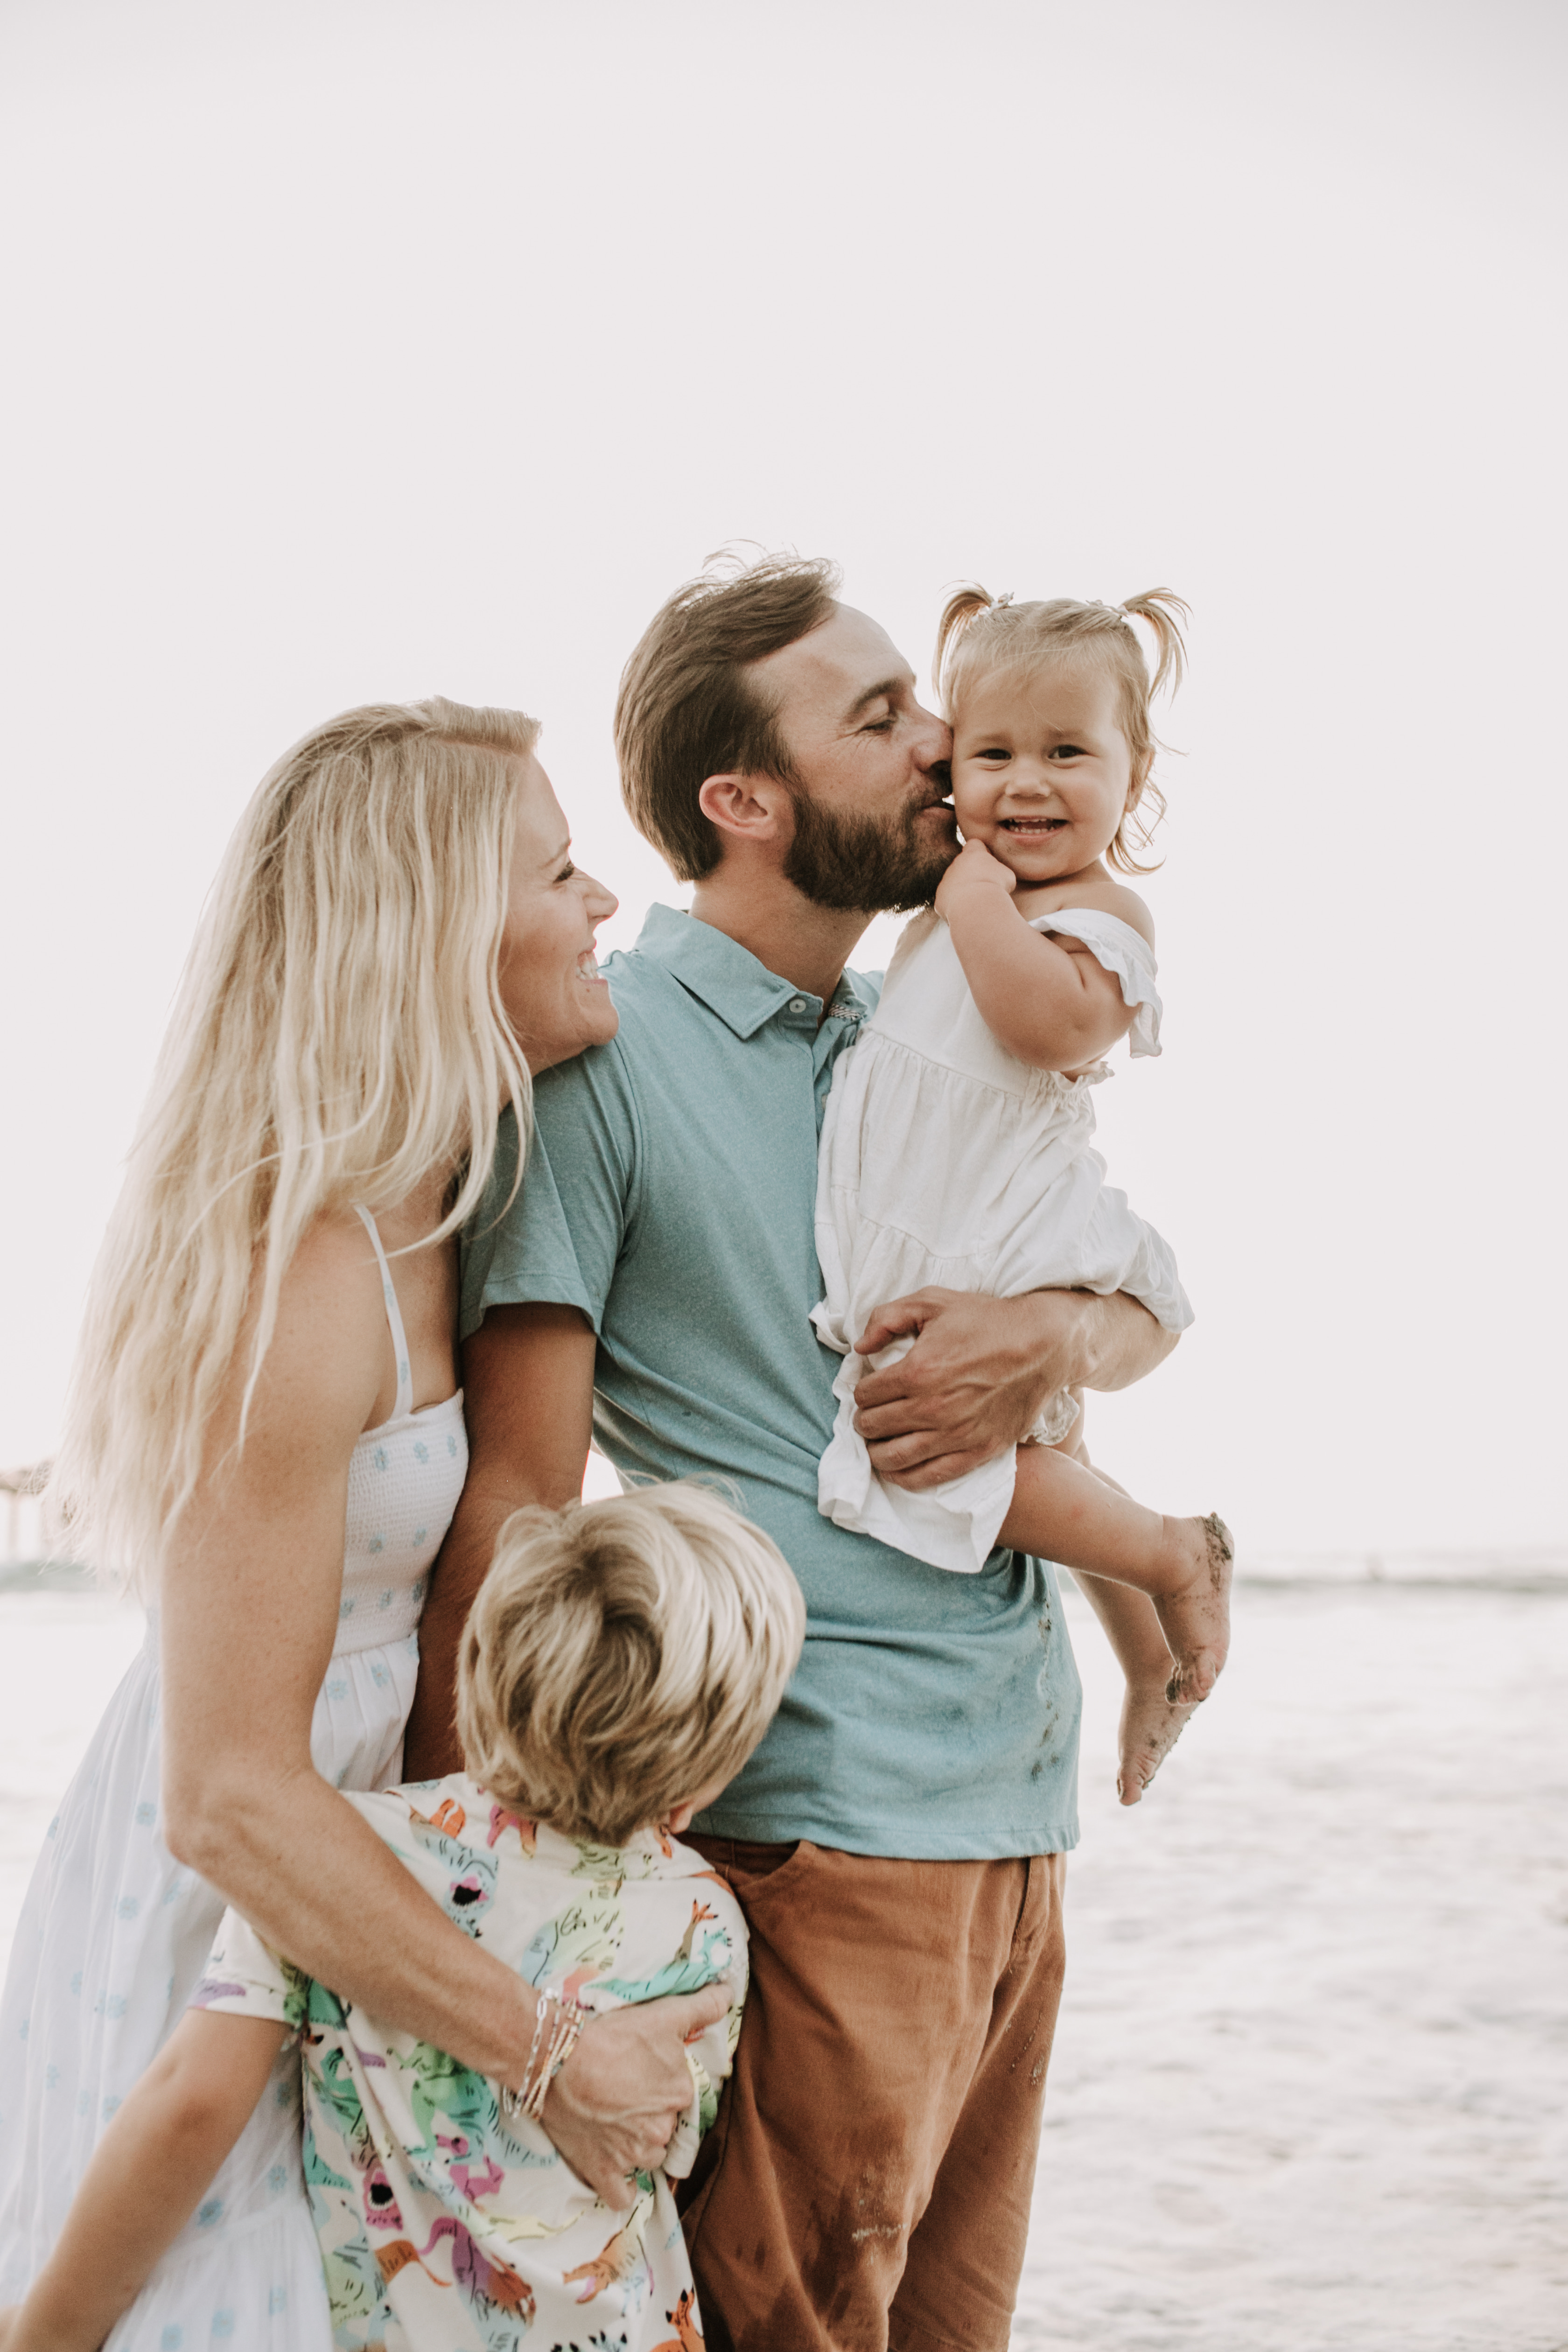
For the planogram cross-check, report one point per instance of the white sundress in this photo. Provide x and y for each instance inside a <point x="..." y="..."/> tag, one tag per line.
<point x="115" y="1934"/>
<point x="946" y="1161"/>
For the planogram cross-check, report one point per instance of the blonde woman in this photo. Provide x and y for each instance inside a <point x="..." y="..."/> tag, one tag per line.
<point x="265" y="1439"/>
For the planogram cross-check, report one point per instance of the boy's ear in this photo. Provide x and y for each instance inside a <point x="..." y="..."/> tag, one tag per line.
<point x="679" y="1818"/>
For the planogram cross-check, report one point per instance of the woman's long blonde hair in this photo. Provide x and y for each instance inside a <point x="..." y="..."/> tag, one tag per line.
<point x="338" y="1036"/>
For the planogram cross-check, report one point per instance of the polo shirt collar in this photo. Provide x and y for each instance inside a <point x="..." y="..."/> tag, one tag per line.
<point x="726" y="977"/>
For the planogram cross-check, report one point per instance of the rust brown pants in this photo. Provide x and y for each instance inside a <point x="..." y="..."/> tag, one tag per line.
<point x="867" y="2183"/>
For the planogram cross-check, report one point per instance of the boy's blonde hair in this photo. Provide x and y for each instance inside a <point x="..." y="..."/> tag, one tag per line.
<point x="338" y="1035"/>
<point x="980" y="634"/>
<point x="623" y="1655"/>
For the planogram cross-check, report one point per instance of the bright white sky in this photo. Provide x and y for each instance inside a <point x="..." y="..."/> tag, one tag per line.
<point x="370" y="350"/>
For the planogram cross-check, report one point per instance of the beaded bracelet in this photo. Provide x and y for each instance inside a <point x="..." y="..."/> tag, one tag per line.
<point x="528" y="2100"/>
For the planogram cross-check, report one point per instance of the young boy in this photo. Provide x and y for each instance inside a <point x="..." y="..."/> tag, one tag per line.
<point x="620" y="1663"/>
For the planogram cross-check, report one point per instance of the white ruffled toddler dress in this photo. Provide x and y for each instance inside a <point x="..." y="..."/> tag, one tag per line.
<point x="114" y="1935"/>
<point x="946" y="1161"/>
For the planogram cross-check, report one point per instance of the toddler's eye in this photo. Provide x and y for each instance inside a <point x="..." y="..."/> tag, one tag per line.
<point x="1068" y="751"/>
<point x="992" y="751"/>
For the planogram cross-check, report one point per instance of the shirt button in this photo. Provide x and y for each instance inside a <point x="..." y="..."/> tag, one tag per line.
<point x="797" y="1004"/>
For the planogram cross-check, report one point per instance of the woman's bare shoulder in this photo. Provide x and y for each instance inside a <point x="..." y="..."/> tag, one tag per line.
<point x="328" y="1352"/>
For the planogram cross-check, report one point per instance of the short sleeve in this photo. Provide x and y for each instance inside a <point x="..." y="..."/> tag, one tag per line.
<point x="712" y="2056"/>
<point x="558" y="1242"/>
<point x="1126" y="955"/>
<point x="245" y="1977"/>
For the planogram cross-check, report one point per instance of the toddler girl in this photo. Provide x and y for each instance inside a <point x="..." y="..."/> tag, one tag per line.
<point x="621" y="1662"/>
<point x="956" y="1144"/>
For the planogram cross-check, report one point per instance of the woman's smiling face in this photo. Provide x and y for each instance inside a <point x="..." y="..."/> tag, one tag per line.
<point x="1041" y="770"/>
<point x="550" y="982"/>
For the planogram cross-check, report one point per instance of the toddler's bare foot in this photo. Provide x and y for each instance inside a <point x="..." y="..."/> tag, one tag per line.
<point x="1151" y="1727"/>
<point x="1195" y="1612"/>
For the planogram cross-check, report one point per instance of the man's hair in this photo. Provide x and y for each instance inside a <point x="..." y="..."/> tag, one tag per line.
<point x="623" y="1655"/>
<point x="687" y="709"/>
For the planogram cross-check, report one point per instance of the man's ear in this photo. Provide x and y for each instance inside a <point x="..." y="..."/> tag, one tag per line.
<point x="746" y="808"/>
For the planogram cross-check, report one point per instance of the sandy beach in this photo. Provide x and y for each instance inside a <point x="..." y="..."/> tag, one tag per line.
<point x="1311" y="2085"/>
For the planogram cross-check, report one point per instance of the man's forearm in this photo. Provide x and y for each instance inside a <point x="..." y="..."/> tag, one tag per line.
<point x="1120" y="1341"/>
<point x="430" y="1746"/>
<point x="528" y="1383"/>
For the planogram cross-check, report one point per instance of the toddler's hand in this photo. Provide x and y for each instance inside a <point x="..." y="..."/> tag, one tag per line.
<point x="973" y="871"/>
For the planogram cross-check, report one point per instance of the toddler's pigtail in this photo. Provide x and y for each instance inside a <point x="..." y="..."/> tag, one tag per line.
<point x="1164" y="613"/>
<point x="962" y="610"/>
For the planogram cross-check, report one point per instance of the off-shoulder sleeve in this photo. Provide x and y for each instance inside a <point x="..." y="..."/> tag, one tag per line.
<point x="1125" y="953"/>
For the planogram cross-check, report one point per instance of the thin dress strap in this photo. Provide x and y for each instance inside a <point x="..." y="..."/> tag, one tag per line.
<point x="395" y="1319"/>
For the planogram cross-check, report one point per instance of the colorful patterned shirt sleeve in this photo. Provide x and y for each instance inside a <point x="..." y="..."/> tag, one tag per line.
<point x="245" y="1977"/>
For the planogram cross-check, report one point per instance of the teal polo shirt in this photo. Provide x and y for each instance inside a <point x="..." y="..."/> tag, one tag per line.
<point x="670" y="1194"/>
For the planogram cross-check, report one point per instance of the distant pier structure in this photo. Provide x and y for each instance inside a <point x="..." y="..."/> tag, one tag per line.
<point x="22" y="1491"/>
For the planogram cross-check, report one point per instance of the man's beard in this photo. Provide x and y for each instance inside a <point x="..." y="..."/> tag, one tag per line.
<point x="855" y="865"/>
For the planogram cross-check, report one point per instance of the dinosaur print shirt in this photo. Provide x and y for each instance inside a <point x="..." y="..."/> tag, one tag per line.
<point x="445" y="2225"/>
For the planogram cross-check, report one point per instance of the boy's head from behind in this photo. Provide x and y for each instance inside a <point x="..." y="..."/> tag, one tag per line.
<point x="623" y="1657"/>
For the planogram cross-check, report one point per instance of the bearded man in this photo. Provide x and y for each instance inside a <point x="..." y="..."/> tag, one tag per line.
<point x="898" y="1840"/>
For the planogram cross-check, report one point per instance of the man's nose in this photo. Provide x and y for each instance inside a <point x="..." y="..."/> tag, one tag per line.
<point x="934" y="746"/>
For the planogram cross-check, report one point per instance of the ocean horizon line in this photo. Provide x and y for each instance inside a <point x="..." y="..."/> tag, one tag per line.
<point x="1518" y="1568"/>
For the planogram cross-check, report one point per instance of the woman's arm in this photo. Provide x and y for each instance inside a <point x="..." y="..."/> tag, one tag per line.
<point x="1049" y="1001"/>
<point x="248" y="1597"/>
<point x="144" y="2181"/>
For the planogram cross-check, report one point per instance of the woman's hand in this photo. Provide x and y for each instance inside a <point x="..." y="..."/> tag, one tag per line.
<point x="975" y="875"/>
<point x="614" y="2104"/>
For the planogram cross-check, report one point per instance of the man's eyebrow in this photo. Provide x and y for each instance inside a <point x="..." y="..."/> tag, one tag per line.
<point x="888" y="687"/>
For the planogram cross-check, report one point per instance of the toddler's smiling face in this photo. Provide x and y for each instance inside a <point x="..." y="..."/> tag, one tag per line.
<point x="1041" y="770"/>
